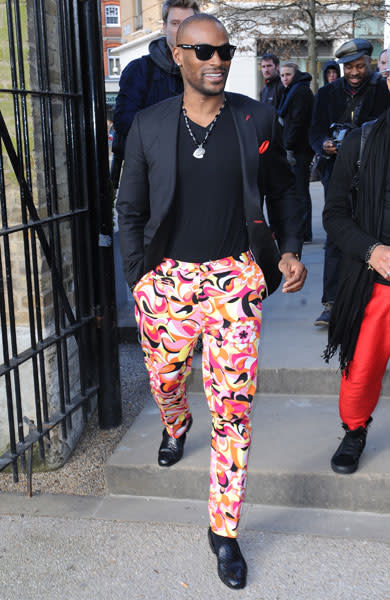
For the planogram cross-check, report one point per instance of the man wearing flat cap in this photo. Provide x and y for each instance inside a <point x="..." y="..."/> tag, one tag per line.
<point x="360" y="96"/>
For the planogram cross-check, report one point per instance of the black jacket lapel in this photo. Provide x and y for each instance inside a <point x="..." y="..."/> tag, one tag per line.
<point x="247" y="137"/>
<point x="166" y="151"/>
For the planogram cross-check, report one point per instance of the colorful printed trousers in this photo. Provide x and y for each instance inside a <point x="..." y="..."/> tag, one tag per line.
<point x="359" y="392"/>
<point x="222" y="300"/>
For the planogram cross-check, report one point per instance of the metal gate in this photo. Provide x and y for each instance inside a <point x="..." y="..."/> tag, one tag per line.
<point x="57" y="294"/>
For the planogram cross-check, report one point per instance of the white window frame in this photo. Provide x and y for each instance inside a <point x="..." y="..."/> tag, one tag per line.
<point x="112" y="12"/>
<point x="115" y="60"/>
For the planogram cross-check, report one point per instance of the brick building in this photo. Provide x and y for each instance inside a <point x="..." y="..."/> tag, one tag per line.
<point x="112" y="37"/>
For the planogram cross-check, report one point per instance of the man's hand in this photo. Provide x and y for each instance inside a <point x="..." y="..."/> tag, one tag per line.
<point x="294" y="272"/>
<point x="329" y="147"/>
<point x="380" y="261"/>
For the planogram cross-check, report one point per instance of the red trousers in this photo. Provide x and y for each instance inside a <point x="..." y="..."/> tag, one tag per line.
<point x="359" y="392"/>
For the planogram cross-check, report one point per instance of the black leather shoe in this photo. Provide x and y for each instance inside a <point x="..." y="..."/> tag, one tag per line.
<point x="171" y="449"/>
<point x="346" y="458"/>
<point x="232" y="567"/>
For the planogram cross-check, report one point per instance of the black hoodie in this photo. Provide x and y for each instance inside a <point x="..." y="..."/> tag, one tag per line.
<point x="295" y="110"/>
<point x="146" y="81"/>
<point x="161" y="55"/>
<point x="331" y="64"/>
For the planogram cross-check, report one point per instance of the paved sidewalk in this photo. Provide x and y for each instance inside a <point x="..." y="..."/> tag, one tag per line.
<point x="118" y="548"/>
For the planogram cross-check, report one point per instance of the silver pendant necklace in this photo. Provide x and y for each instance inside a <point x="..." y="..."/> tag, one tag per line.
<point x="200" y="151"/>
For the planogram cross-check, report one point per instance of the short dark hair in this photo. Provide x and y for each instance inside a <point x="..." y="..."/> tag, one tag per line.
<point x="272" y="57"/>
<point x="168" y="4"/>
<point x="380" y="53"/>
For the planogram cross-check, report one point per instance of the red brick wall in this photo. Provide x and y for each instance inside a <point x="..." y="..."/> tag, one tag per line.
<point x="112" y="36"/>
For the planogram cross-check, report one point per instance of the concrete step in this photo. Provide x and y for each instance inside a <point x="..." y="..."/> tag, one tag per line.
<point x="293" y="440"/>
<point x="287" y="377"/>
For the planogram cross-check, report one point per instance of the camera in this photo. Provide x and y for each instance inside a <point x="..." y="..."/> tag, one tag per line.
<point x="338" y="131"/>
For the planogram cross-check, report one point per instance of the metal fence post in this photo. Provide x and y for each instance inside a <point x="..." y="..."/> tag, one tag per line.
<point x="101" y="211"/>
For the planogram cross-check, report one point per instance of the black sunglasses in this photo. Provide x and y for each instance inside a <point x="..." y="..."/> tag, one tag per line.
<point x="206" y="51"/>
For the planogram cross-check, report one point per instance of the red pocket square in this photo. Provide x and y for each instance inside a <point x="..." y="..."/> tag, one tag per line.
<point x="263" y="146"/>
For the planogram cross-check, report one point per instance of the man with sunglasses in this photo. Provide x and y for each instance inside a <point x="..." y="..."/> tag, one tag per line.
<point x="197" y="168"/>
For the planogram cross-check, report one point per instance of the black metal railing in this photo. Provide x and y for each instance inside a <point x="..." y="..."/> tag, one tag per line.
<point x="56" y="274"/>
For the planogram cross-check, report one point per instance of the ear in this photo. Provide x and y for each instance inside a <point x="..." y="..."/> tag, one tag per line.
<point x="176" y="53"/>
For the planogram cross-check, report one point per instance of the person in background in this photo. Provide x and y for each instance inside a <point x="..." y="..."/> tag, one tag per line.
<point x="331" y="71"/>
<point x="294" y="111"/>
<point x="359" y="96"/>
<point x="273" y="88"/>
<point x="110" y="132"/>
<point x="360" y="320"/>
<point x="149" y="79"/>
<point x="384" y="66"/>
<point x="382" y="63"/>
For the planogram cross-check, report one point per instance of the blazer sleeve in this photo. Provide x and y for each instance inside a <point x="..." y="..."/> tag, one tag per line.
<point x="133" y="205"/>
<point x="337" y="215"/>
<point x="285" y="213"/>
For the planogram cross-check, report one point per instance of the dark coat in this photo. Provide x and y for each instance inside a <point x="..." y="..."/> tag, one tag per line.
<point x="144" y="82"/>
<point x="295" y="110"/>
<point x="149" y="178"/>
<point x="337" y="217"/>
<point x="330" y="106"/>
<point x="272" y="92"/>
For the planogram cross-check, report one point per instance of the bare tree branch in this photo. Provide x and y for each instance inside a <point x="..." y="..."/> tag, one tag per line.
<point x="286" y="23"/>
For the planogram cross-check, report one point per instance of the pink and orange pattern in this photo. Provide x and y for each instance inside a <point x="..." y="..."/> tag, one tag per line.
<point x="221" y="299"/>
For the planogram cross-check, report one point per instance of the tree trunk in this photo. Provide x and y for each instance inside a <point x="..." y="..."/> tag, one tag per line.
<point x="312" y="45"/>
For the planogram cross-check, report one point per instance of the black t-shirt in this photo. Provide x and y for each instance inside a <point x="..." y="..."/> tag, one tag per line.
<point x="207" y="219"/>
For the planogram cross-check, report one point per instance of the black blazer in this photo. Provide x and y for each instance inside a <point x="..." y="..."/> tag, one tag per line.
<point x="149" y="176"/>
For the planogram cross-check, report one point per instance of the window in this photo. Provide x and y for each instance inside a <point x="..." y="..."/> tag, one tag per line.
<point x="138" y="21"/>
<point x="114" y="65"/>
<point x="112" y="16"/>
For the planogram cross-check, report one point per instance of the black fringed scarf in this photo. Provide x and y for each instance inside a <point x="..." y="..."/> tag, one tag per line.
<point x="356" y="288"/>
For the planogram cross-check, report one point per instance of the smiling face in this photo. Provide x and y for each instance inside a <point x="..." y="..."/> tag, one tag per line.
<point x="357" y="71"/>
<point x="287" y="75"/>
<point x="207" y="77"/>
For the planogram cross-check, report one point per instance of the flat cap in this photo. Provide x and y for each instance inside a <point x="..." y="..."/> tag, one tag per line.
<point x="354" y="49"/>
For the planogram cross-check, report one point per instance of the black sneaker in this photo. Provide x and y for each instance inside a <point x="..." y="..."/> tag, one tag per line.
<point x="324" y="318"/>
<point x="346" y="458"/>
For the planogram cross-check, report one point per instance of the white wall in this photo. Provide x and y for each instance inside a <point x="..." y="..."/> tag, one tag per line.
<point x="131" y="50"/>
<point x="243" y="76"/>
